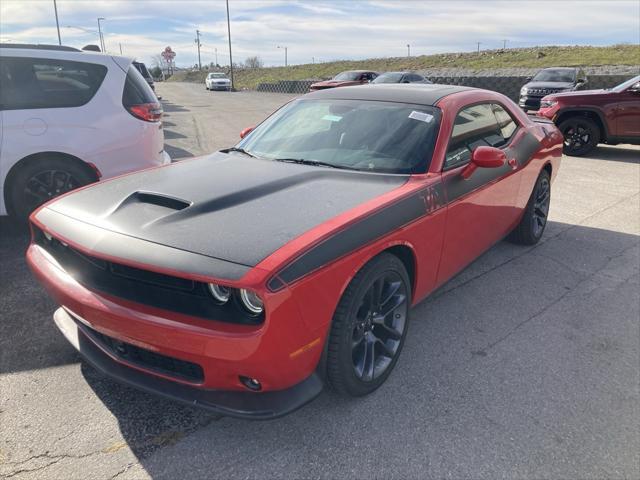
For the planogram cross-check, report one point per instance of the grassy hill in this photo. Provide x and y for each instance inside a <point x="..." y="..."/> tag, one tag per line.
<point x="536" y="57"/>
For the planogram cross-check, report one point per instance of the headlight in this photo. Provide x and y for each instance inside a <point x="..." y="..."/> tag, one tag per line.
<point x="548" y="103"/>
<point x="220" y="294"/>
<point x="251" y="302"/>
<point x="524" y="91"/>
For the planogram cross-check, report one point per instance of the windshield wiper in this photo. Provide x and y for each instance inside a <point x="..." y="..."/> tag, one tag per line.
<point x="239" y="150"/>
<point x="313" y="163"/>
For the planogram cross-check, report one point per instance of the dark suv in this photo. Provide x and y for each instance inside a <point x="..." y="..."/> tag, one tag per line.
<point x="548" y="81"/>
<point x="596" y="116"/>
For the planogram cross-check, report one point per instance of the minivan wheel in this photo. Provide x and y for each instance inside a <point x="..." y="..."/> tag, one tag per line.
<point x="369" y="327"/>
<point x="581" y="135"/>
<point x="41" y="180"/>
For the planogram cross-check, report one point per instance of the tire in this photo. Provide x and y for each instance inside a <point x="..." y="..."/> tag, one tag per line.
<point x="533" y="222"/>
<point x="581" y="135"/>
<point x="40" y="180"/>
<point x="364" y="348"/>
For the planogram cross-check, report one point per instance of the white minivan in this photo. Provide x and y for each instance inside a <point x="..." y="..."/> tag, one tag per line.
<point x="68" y="118"/>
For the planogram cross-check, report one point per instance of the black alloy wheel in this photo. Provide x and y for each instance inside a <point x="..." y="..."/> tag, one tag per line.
<point x="534" y="219"/>
<point x="581" y="135"/>
<point x="47" y="184"/>
<point x="369" y="327"/>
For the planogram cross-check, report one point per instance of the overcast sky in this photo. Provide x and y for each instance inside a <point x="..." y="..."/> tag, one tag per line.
<point x="324" y="30"/>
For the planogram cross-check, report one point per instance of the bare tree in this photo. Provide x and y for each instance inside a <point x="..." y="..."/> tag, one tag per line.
<point x="253" y="62"/>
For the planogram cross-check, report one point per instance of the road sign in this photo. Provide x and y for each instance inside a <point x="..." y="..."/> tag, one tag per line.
<point x="168" y="54"/>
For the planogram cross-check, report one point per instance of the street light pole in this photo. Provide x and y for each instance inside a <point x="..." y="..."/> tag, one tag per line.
<point x="285" y="54"/>
<point x="102" y="45"/>
<point x="230" y="56"/>
<point x="408" y="50"/>
<point x="478" y="47"/>
<point x="216" y="49"/>
<point x="55" y="9"/>
<point x="197" y="40"/>
<point x="504" y="44"/>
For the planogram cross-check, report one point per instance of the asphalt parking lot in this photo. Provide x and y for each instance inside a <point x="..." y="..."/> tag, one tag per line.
<point x="526" y="365"/>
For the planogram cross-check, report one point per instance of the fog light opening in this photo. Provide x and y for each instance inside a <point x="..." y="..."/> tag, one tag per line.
<point x="251" y="383"/>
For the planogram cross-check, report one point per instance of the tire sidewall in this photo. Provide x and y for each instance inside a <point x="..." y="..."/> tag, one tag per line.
<point x="594" y="135"/>
<point x="357" y="288"/>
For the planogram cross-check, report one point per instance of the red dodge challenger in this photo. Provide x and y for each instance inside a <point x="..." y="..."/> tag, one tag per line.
<point x="245" y="280"/>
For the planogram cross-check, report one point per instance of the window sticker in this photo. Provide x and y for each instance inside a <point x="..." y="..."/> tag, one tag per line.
<point x="423" y="117"/>
<point x="332" y="118"/>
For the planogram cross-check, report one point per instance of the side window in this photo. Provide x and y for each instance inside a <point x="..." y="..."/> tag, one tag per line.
<point x="474" y="126"/>
<point x="29" y="83"/>
<point x="506" y="123"/>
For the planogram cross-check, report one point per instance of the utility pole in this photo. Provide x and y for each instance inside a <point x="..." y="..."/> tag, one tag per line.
<point x="504" y="44"/>
<point x="230" y="56"/>
<point x="285" y="54"/>
<point x="102" y="45"/>
<point x="55" y="9"/>
<point x="216" y="49"/>
<point x="313" y="59"/>
<point x="478" y="47"/>
<point x="408" y="50"/>
<point x="120" y="45"/>
<point x="197" y="40"/>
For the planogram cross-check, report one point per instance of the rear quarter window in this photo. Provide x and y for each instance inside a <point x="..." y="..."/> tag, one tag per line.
<point x="136" y="89"/>
<point x="30" y="83"/>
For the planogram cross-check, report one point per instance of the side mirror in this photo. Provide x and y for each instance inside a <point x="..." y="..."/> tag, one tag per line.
<point x="484" y="157"/>
<point x="528" y="79"/>
<point x="582" y="80"/>
<point x="246" y="131"/>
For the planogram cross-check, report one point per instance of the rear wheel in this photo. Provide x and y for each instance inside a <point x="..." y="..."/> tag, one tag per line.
<point x="581" y="135"/>
<point x="369" y="327"/>
<point x="41" y="180"/>
<point x="531" y="227"/>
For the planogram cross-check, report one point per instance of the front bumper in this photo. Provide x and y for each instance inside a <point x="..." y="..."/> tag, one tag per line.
<point x="259" y="406"/>
<point x="221" y="86"/>
<point x="529" y="103"/>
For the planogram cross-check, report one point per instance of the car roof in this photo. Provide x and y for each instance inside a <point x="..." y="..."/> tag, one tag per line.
<point x="417" y="93"/>
<point x="33" y="46"/>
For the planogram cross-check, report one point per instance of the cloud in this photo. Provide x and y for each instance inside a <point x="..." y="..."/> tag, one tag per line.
<point x="322" y="29"/>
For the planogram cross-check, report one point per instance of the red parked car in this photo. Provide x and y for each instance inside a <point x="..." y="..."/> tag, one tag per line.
<point x="245" y="280"/>
<point x="596" y="116"/>
<point x="345" y="79"/>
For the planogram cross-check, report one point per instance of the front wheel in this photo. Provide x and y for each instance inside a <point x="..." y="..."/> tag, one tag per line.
<point x="581" y="136"/>
<point x="369" y="327"/>
<point x="39" y="181"/>
<point x="533" y="222"/>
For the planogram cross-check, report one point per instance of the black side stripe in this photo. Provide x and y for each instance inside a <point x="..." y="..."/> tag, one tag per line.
<point x="376" y="225"/>
<point x="522" y="151"/>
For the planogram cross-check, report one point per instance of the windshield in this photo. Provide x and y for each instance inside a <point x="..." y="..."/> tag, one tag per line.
<point x="360" y="135"/>
<point x="624" y="85"/>
<point x="347" y="76"/>
<point x="389" y="78"/>
<point x="551" y="75"/>
<point x="217" y="75"/>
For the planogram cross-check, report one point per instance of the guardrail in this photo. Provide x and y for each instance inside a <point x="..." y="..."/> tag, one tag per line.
<point x="507" y="85"/>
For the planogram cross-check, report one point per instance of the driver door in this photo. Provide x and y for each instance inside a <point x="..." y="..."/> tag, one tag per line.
<point x="482" y="209"/>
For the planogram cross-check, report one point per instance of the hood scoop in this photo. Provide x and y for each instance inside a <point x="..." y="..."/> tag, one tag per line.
<point x="144" y="208"/>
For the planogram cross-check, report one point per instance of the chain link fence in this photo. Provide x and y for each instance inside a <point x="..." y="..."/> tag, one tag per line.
<point x="507" y="85"/>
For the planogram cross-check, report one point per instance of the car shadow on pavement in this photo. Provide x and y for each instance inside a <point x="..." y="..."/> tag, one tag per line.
<point x="177" y="153"/>
<point x="614" y="154"/>
<point x="528" y="351"/>
<point x="169" y="107"/>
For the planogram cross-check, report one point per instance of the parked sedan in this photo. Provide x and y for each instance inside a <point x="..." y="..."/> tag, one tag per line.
<point x="345" y="79"/>
<point x="217" y="81"/>
<point x="206" y="282"/>
<point x="400" y="77"/>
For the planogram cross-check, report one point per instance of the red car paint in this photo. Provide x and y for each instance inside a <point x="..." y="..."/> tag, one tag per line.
<point x="287" y="347"/>
<point x="616" y="113"/>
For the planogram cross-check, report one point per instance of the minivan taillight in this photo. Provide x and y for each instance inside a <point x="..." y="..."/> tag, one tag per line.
<point x="149" y="112"/>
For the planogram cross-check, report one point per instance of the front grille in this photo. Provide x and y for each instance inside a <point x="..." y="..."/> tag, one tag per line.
<point x="542" y="91"/>
<point x="155" y="362"/>
<point x="167" y="292"/>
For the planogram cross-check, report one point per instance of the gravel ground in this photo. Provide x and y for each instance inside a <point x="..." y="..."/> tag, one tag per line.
<point x="526" y="365"/>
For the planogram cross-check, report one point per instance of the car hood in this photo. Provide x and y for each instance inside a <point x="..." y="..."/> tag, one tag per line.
<point x="579" y="94"/>
<point x="550" y="85"/>
<point x="227" y="206"/>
